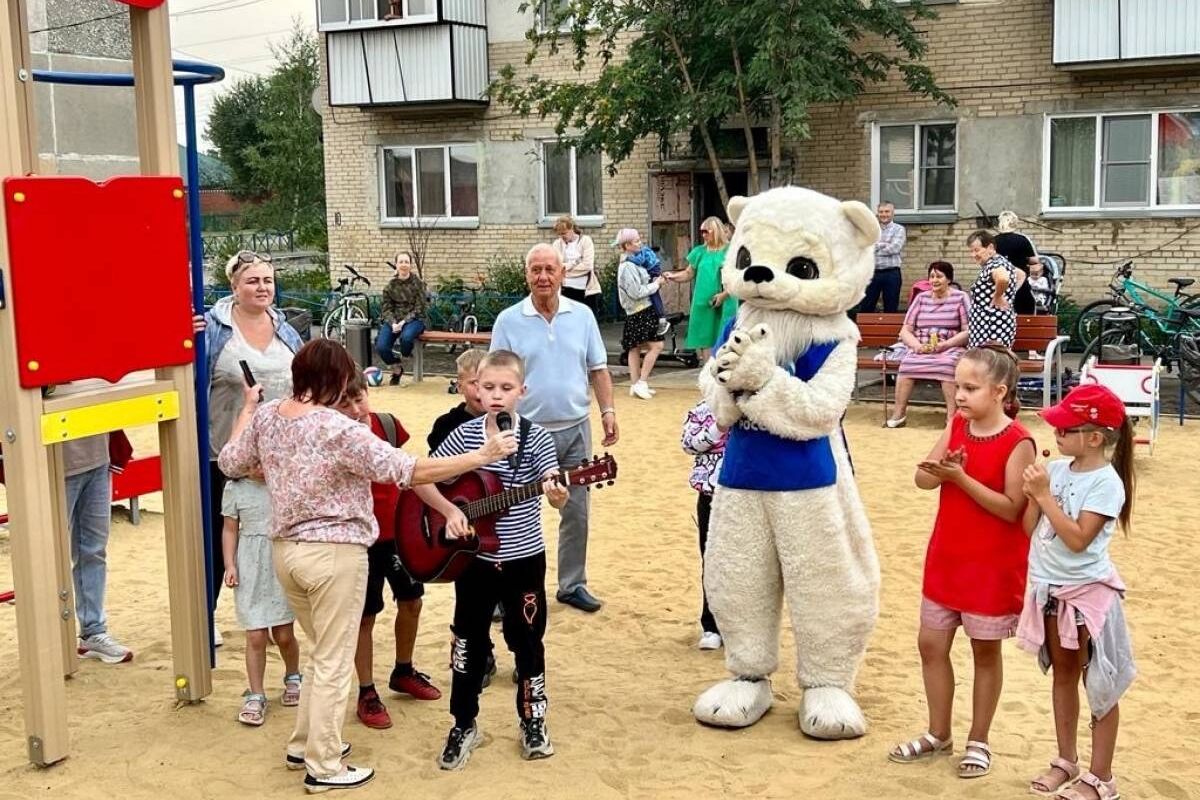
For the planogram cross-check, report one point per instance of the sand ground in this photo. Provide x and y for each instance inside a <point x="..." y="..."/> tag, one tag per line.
<point x="621" y="683"/>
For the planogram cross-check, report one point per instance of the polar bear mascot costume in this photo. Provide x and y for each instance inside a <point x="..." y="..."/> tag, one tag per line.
<point x="787" y="519"/>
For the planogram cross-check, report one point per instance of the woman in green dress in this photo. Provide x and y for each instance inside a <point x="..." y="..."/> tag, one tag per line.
<point x="712" y="307"/>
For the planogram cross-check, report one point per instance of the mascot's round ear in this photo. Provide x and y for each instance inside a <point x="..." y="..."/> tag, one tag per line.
<point x="734" y="209"/>
<point x="864" y="222"/>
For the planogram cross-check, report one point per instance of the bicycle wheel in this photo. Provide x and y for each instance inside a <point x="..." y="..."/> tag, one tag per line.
<point x="335" y="322"/>
<point x="1087" y="324"/>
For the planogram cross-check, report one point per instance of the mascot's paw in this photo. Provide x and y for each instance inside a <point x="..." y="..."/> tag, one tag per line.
<point x="747" y="361"/>
<point x="735" y="703"/>
<point x="827" y="712"/>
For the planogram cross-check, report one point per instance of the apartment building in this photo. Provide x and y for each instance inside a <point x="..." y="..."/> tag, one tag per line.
<point x="1083" y="116"/>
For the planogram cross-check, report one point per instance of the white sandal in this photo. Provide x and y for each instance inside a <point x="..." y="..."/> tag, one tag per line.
<point x="976" y="761"/>
<point x="892" y="422"/>
<point x="915" y="750"/>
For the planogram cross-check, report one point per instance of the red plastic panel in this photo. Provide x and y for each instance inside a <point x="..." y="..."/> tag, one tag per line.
<point x="100" y="276"/>
<point x="140" y="476"/>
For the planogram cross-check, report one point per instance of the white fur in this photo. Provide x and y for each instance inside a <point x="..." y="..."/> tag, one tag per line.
<point x="827" y="712"/>
<point x="734" y="703"/>
<point x="812" y="547"/>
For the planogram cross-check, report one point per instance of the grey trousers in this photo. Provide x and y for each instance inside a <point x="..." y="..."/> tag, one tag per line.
<point x="574" y="445"/>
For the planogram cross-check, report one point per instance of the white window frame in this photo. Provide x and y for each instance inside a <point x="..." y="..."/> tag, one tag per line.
<point x="539" y="20"/>
<point x="445" y="219"/>
<point x="545" y="215"/>
<point x="375" y="22"/>
<point x="1097" y="206"/>
<point x="918" y="173"/>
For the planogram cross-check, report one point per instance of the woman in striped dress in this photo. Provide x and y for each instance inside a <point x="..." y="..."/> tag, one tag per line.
<point x="934" y="330"/>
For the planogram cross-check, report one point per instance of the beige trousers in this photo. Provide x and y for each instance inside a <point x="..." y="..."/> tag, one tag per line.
<point x="325" y="585"/>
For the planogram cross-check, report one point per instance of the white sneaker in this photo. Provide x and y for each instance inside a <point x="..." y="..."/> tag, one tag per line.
<point x="641" y="390"/>
<point x="217" y="638"/>
<point x="710" y="641"/>
<point x="349" y="778"/>
<point x="663" y="326"/>
<point x="105" y="648"/>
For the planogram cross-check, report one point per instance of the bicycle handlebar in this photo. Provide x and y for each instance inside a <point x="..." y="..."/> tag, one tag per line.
<point x="357" y="276"/>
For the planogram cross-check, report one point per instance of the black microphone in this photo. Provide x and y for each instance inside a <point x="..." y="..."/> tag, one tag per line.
<point x="504" y="423"/>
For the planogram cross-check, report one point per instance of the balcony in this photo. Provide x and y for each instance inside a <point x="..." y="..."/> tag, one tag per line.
<point x="1120" y="34"/>
<point x="406" y="53"/>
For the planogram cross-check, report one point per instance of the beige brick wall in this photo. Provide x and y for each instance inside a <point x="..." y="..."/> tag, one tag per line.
<point x="994" y="58"/>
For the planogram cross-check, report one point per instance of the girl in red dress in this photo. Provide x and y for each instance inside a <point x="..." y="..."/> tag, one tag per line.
<point x="977" y="558"/>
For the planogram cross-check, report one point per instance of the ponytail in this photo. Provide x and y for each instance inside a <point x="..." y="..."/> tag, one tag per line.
<point x="1122" y="462"/>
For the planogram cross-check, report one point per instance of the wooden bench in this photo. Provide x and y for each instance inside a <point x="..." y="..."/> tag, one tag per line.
<point x="1040" y="333"/>
<point x="442" y="337"/>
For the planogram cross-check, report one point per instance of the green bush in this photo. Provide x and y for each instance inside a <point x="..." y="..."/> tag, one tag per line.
<point x="505" y="274"/>
<point x="305" y="281"/>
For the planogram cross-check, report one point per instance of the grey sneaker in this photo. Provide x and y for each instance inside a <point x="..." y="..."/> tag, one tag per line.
<point x="105" y="648"/>
<point x="535" y="740"/>
<point x="459" y="744"/>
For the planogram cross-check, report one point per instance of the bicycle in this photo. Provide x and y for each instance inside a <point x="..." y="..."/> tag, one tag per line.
<point x="1181" y="350"/>
<point x="346" y="303"/>
<point x="463" y="318"/>
<point x="1125" y="292"/>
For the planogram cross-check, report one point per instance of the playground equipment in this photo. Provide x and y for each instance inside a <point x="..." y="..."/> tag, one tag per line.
<point x="1137" y="387"/>
<point x="67" y="240"/>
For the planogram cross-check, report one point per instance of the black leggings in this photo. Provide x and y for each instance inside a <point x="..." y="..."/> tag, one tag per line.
<point x="520" y="585"/>
<point x="708" y="623"/>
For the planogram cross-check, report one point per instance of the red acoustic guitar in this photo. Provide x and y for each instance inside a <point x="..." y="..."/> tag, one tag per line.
<point x="421" y="543"/>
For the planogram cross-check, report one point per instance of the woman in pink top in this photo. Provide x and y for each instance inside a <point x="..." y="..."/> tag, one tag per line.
<point x="319" y="466"/>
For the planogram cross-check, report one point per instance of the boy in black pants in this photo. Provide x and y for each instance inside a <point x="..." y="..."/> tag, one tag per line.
<point x="515" y="575"/>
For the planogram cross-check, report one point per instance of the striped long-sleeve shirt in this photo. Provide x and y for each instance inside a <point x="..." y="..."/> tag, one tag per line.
<point x="890" y="246"/>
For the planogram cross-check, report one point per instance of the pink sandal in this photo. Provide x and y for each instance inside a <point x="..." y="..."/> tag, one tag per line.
<point x="1048" y="784"/>
<point x="291" y="690"/>
<point x="1105" y="790"/>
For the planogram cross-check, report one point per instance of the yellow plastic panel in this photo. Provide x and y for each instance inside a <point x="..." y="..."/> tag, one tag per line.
<point x="76" y="423"/>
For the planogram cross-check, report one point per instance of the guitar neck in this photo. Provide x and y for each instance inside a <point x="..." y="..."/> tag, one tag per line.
<point x="496" y="503"/>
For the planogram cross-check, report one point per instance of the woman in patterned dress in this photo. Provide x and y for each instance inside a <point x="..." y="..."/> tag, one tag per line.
<point x="934" y="330"/>
<point x="992" y="319"/>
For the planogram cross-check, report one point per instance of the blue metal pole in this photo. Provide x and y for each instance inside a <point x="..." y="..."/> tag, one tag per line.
<point x="196" y="250"/>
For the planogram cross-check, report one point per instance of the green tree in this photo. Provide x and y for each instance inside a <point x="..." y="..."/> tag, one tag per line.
<point x="689" y="68"/>
<point x="268" y="133"/>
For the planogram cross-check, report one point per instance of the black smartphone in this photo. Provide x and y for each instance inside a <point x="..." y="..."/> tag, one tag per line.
<point x="249" y="376"/>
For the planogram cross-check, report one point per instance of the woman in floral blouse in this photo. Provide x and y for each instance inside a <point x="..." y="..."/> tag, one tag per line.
<point x="319" y="466"/>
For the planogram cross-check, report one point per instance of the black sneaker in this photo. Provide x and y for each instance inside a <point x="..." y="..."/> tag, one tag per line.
<point x="297" y="761"/>
<point x="459" y="744"/>
<point x="351" y="778"/>
<point x="535" y="740"/>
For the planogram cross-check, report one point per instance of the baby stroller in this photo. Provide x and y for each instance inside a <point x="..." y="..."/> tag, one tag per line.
<point x="1054" y="268"/>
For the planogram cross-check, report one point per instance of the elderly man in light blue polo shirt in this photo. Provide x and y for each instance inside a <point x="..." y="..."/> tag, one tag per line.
<point x="564" y="357"/>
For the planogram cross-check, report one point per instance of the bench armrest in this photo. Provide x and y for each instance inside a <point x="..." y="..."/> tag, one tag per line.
<point x="1052" y="368"/>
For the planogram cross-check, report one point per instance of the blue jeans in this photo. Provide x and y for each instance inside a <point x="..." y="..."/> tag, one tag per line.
<point x="407" y="335"/>
<point x="887" y="283"/>
<point x="89" y="515"/>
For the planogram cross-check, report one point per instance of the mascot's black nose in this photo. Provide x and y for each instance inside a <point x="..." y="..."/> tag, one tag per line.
<point x="758" y="274"/>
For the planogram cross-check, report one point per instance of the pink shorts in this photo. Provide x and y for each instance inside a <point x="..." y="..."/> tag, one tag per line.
<point x="976" y="626"/>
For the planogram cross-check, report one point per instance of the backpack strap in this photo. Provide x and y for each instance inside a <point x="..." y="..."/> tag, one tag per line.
<point x="390" y="429"/>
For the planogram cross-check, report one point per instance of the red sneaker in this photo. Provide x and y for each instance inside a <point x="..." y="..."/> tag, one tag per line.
<point x="372" y="712"/>
<point x="415" y="684"/>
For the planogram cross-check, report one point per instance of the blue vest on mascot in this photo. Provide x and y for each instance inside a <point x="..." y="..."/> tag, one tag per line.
<point x="759" y="460"/>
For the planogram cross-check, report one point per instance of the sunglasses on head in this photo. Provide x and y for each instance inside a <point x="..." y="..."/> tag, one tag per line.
<point x="249" y="257"/>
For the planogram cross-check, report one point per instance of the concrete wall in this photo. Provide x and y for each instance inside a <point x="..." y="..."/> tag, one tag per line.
<point x="83" y="130"/>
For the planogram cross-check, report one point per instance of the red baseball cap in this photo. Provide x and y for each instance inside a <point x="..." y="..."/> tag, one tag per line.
<point x="1089" y="404"/>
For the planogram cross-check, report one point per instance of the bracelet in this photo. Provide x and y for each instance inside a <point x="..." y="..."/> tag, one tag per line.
<point x="609" y="410"/>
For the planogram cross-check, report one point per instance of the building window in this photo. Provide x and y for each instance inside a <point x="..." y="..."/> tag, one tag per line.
<point x="547" y="10"/>
<point x="335" y="14"/>
<point x="1120" y="161"/>
<point x="570" y="181"/>
<point x="437" y="182"/>
<point x="916" y="166"/>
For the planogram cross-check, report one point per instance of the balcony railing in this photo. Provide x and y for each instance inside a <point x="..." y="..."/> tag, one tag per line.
<point x="437" y="57"/>
<point x="1097" y="34"/>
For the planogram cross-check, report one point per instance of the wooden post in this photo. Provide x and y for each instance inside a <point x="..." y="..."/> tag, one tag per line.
<point x="159" y="154"/>
<point x="62" y="548"/>
<point x="31" y="504"/>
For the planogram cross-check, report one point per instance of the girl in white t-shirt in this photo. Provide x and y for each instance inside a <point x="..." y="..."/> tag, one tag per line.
<point x="1073" y="617"/>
